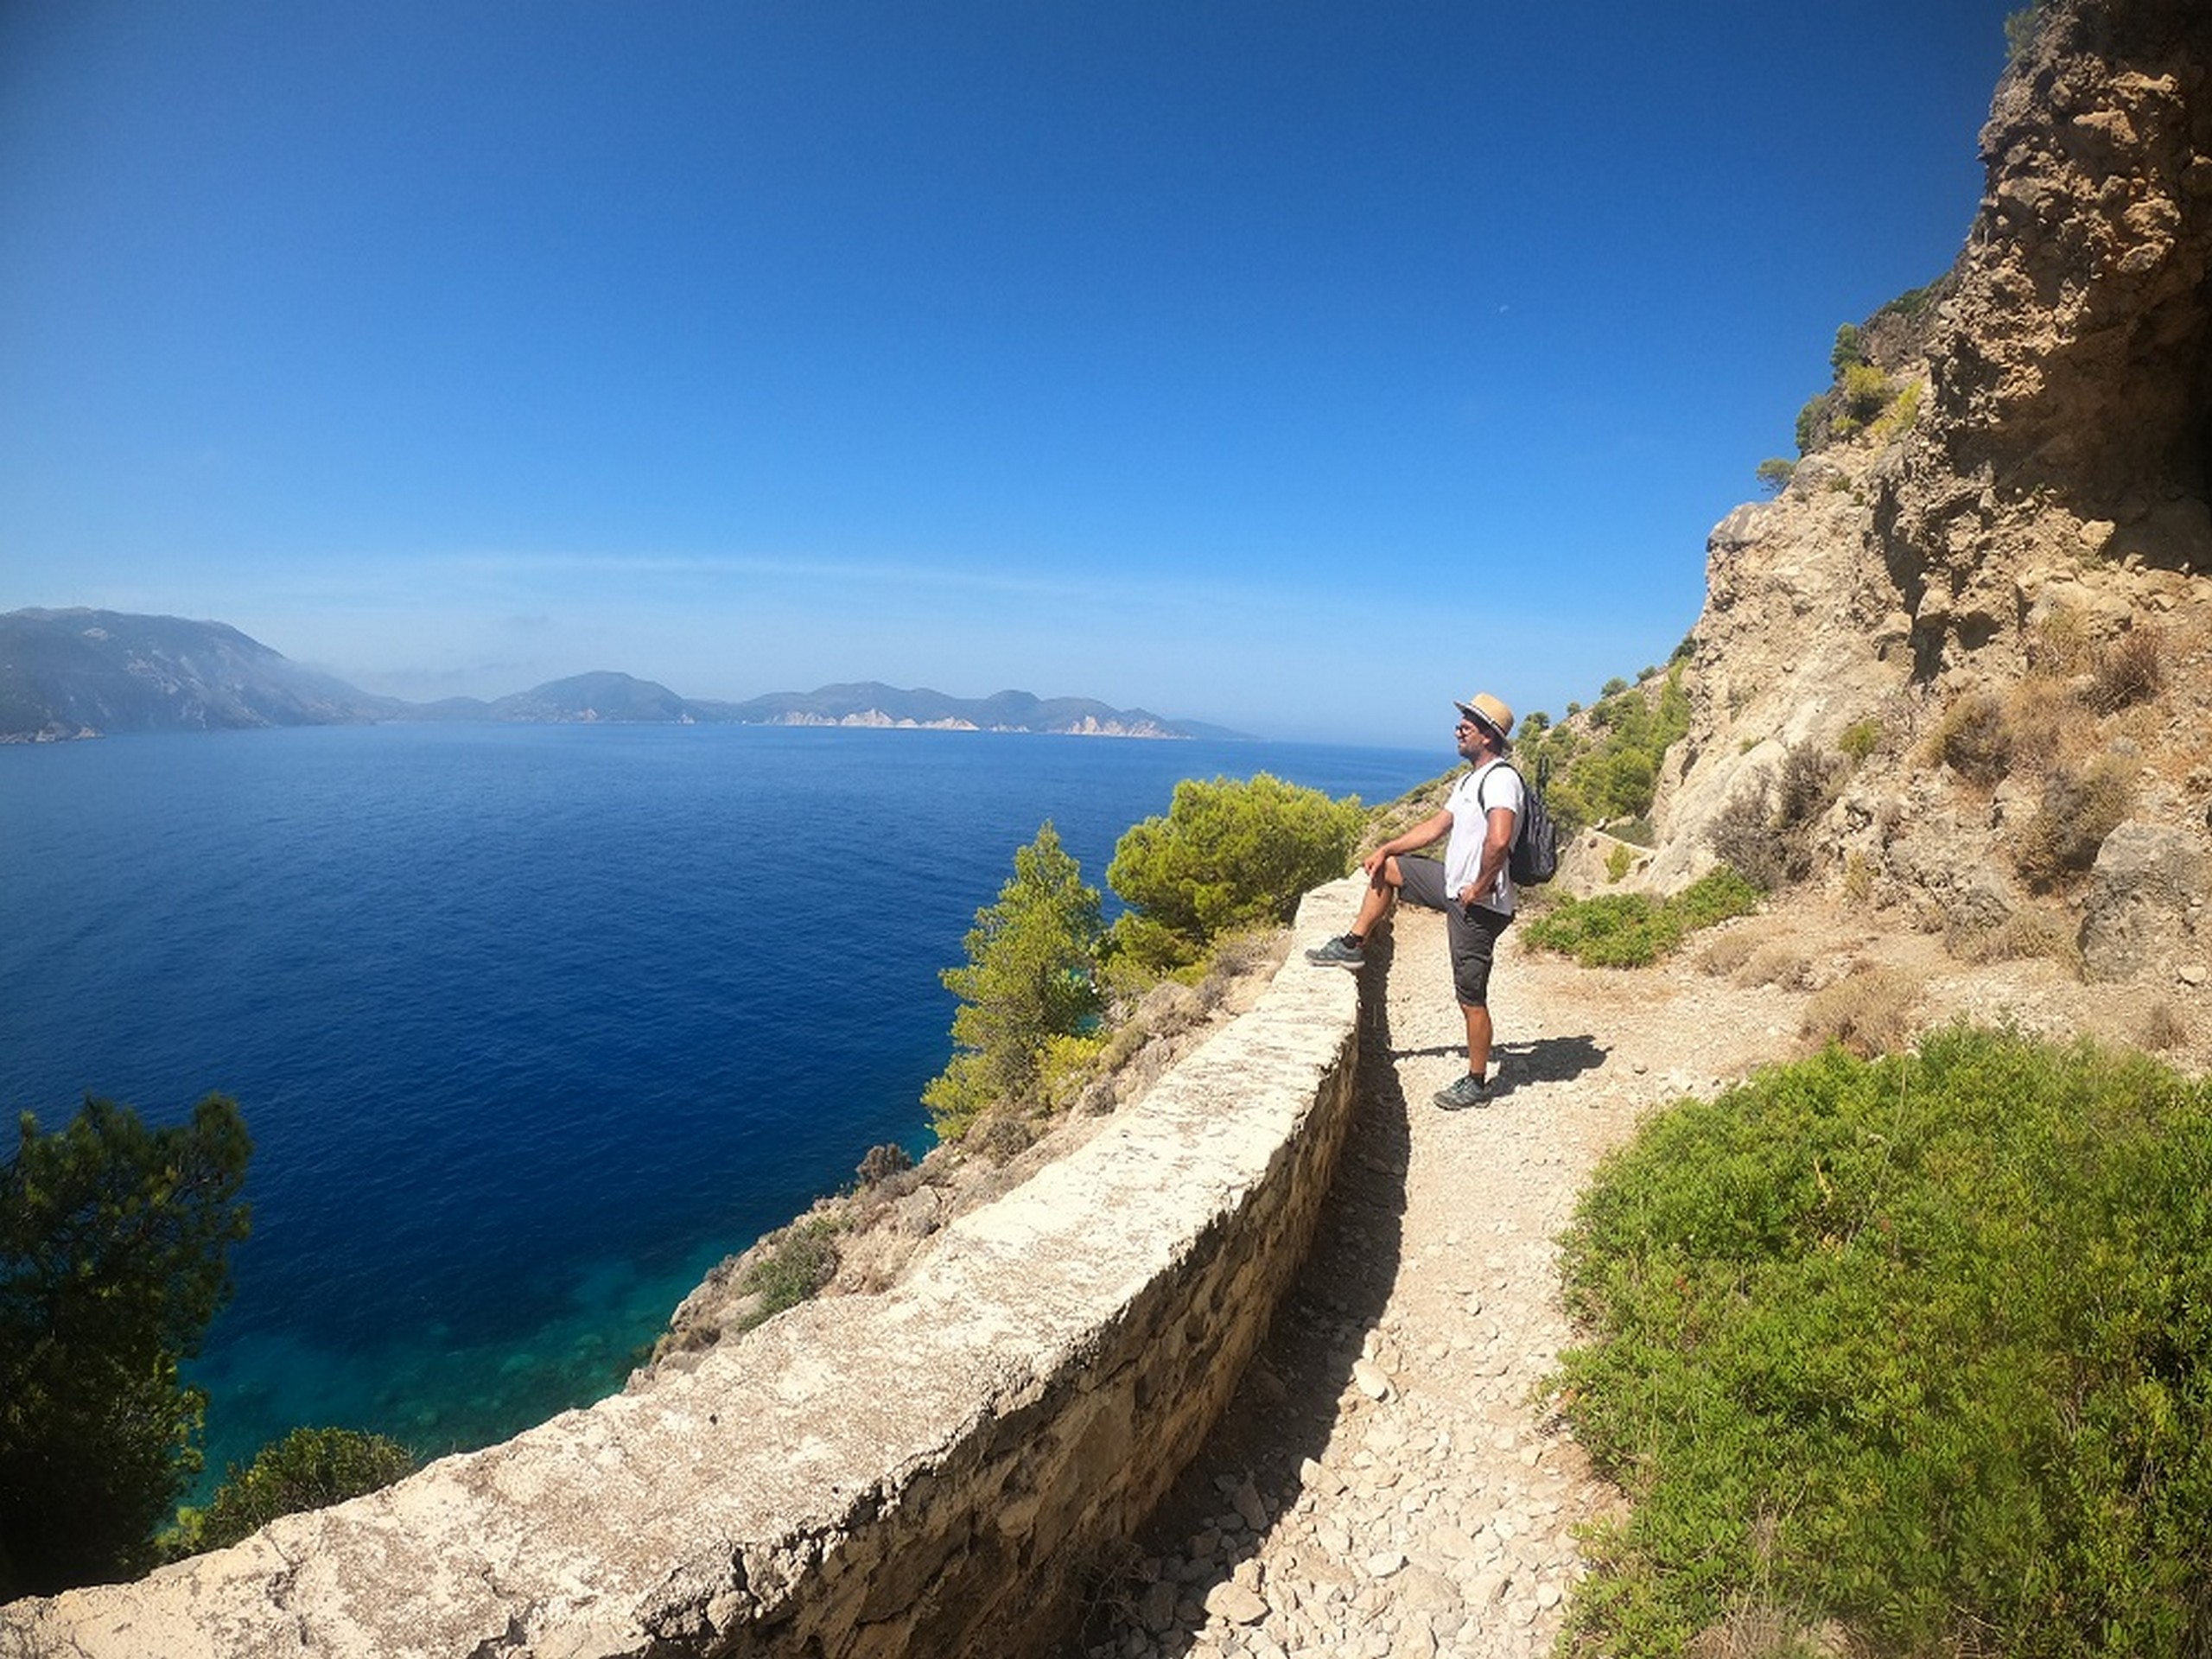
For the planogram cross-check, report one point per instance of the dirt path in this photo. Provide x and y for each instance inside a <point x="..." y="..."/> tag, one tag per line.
<point x="1385" y="1483"/>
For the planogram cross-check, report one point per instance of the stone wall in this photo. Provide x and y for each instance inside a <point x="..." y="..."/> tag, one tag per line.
<point x="933" y="1471"/>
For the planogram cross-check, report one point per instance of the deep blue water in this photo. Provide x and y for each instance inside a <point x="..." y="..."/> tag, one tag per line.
<point x="531" y="1025"/>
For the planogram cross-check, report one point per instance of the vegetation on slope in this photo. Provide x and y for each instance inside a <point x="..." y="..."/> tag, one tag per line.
<point x="1045" y="982"/>
<point x="1632" y="930"/>
<point x="1922" y="1347"/>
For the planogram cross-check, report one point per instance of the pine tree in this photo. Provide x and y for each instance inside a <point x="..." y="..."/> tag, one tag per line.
<point x="1031" y="976"/>
<point x="113" y="1246"/>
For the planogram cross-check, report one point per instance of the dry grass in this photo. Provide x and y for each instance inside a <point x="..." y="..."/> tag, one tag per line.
<point x="2082" y="804"/>
<point x="1779" y="965"/>
<point x="1976" y="738"/>
<point x="1858" y="877"/>
<point x="2061" y="644"/>
<point x="1767" y="1633"/>
<point x="1729" y="949"/>
<point x="2164" y="1030"/>
<point x="2024" y="935"/>
<point x="1867" y="1012"/>
<point x="2132" y="669"/>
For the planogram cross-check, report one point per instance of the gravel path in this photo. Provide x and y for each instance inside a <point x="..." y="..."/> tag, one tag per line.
<point x="1386" y="1482"/>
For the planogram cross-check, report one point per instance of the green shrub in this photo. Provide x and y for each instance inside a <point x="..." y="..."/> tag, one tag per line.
<point x="1921" y="1346"/>
<point x="1619" y="863"/>
<point x="1031" y="976"/>
<point x="1713" y="898"/>
<point x="1860" y="741"/>
<point x="1865" y="394"/>
<point x="1065" y="1065"/>
<point x="1808" y="423"/>
<point x="308" y="1469"/>
<point x="1913" y="302"/>
<point x="1774" y="474"/>
<point x="1902" y="415"/>
<point x="1632" y="930"/>
<point x="1849" y="351"/>
<point x="1228" y="856"/>
<point x="798" y="1265"/>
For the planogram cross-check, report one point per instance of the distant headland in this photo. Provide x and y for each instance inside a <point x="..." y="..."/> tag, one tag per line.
<point x="78" y="673"/>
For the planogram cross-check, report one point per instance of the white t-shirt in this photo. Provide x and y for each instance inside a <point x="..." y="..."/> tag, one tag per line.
<point x="1491" y="785"/>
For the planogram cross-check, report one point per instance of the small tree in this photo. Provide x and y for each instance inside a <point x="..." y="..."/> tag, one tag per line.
<point x="1774" y="474"/>
<point x="1031" y="975"/>
<point x="308" y="1469"/>
<point x="1866" y="395"/>
<point x="113" y="1258"/>
<point x="1849" y="351"/>
<point x="1228" y="856"/>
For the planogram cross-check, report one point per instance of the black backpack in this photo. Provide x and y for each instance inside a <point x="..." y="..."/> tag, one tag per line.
<point x="1535" y="858"/>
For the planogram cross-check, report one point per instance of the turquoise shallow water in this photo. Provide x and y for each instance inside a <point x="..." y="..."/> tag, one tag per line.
<point x="531" y="1025"/>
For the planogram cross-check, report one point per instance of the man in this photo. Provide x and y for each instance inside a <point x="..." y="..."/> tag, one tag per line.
<point x="1471" y="886"/>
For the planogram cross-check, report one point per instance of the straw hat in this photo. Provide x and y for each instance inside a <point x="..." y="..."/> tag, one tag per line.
<point x="1486" y="710"/>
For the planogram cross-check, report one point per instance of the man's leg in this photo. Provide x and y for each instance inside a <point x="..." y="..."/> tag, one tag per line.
<point x="1348" y="949"/>
<point x="1474" y="943"/>
<point x="1376" y="902"/>
<point x="1477" y="1039"/>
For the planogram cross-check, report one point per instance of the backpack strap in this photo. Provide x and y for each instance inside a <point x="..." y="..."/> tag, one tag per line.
<point x="1482" y="782"/>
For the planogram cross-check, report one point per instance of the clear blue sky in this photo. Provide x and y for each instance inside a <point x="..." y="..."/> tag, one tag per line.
<point x="1299" y="366"/>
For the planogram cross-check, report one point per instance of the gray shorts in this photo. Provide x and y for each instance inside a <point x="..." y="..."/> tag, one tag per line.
<point x="1473" y="929"/>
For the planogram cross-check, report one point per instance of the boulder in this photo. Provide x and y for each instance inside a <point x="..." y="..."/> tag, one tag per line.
<point x="2146" y="901"/>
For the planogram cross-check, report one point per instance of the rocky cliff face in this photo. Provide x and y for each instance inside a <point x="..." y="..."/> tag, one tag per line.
<point x="1983" y="620"/>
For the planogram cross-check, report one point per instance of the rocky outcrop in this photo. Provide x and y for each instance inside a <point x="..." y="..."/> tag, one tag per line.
<point x="2069" y="411"/>
<point x="1950" y="595"/>
<point x="933" y="1471"/>
<point x="2145" y="905"/>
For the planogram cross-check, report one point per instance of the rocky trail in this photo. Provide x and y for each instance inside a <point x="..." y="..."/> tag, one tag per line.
<point x="1387" y="1480"/>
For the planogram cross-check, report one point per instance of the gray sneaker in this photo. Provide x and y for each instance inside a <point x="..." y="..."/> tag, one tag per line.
<point x="1339" y="953"/>
<point x="1467" y="1091"/>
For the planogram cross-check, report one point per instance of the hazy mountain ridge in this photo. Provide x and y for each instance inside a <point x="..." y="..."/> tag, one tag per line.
<point x="81" y="673"/>
<point x="87" y="673"/>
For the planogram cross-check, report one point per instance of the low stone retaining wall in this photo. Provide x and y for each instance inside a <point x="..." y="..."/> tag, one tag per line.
<point x="930" y="1471"/>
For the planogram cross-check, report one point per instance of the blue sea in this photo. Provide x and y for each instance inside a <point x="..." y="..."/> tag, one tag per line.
<point x="531" y="1025"/>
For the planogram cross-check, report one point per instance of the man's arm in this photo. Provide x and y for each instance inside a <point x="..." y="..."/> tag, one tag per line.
<point x="1428" y="832"/>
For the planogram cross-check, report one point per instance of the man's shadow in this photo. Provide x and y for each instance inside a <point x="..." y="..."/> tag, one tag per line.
<point x="1287" y="1403"/>
<point x="1539" y="1059"/>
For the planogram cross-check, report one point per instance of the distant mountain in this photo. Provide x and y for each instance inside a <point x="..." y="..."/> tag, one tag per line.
<point x="80" y="673"/>
<point x="602" y="695"/>
<point x="871" y="703"/>
<point x="83" y="673"/>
